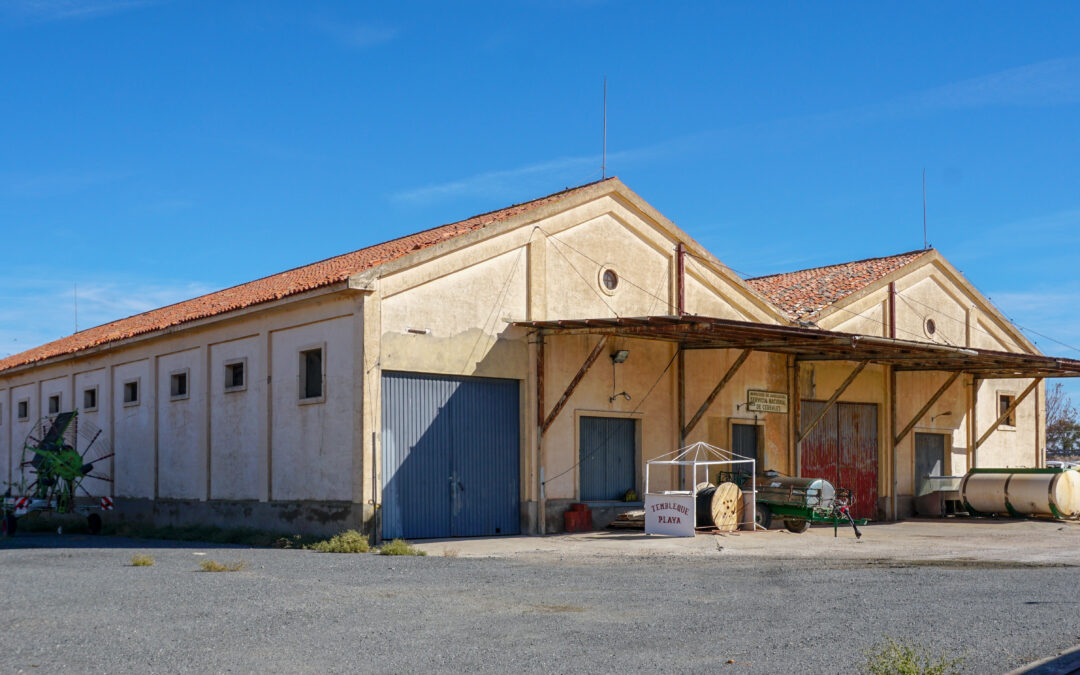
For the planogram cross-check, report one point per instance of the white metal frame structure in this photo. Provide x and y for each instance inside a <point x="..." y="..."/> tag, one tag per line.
<point x="703" y="455"/>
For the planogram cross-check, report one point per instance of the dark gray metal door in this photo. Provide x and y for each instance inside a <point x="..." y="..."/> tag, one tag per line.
<point x="451" y="455"/>
<point x="744" y="442"/>
<point x="929" y="457"/>
<point x="608" y="452"/>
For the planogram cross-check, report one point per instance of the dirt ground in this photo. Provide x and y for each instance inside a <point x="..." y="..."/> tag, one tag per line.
<point x="1041" y="542"/>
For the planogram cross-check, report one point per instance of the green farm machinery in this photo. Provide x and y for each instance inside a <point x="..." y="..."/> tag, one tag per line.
<point x="65" y="468"/>
<point x="798" y="501"/>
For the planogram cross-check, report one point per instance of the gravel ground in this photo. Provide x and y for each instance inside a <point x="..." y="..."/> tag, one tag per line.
<point x="74" y="603"/>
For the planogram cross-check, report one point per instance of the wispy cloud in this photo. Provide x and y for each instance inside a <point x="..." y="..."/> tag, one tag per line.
<point x="567" y="171"/>
<point x="1056" y="81"/>
<point x="35" y="310"/>
<point x="1043" y="83"/>
<point x="356" y="34"/>
<point x="65" y="10"/>
<point x="51" y="184"/>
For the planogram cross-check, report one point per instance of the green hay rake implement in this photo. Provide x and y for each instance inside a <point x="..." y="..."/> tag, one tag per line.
<point x="64" y="469"/>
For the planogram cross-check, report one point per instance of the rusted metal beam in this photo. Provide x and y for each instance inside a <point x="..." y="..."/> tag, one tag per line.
<point x="540" y="381"/>
<point x="926" y="408"/>
<point x="680" y="279"/>
<point x="589" y="360"/>
<point x="1008" y="411"/>
<point x="716" y="392"/>
<point x="832" y="400"/>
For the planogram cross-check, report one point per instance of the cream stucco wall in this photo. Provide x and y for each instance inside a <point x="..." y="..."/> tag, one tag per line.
<point x="212" y="443"/>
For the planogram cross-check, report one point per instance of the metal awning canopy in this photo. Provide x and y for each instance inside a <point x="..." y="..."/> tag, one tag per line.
<point x="813" y="344"/>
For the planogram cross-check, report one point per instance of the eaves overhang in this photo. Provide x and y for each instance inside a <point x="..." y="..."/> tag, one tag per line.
<point x="813" y="344"/>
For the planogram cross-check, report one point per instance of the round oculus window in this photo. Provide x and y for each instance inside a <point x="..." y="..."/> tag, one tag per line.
<point x="610" y="279"/>
<point x="930" y="327"/>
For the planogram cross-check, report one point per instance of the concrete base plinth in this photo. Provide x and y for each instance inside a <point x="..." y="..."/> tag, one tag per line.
<point x="306" y="517"/>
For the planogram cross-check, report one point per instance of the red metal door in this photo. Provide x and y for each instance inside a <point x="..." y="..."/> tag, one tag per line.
<point x="819" y="452"/>
<point x="857" y="465"/>
<point x="842" y="449"/>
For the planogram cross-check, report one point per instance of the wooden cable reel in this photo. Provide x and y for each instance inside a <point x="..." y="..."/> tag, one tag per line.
<point x="720" y="506"/>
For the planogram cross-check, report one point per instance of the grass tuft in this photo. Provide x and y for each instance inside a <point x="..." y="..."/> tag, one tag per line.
<point x="399" y="547"/>
<point x="900" y="657"/>
<point x="215" y="566"/>
<point x="349" y="541"/>
<point x="142" y="560"/>
<point x="450" y="552"/>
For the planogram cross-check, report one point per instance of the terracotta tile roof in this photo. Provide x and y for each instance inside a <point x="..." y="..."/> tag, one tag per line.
<point x="274" y="287"/>
<point x="805" y="293"/>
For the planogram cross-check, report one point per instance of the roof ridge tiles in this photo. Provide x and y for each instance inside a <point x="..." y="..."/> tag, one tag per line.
<point x="917" y="251"/>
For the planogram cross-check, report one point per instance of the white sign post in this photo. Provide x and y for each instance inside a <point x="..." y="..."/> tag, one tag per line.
<point x="672" y="514"/>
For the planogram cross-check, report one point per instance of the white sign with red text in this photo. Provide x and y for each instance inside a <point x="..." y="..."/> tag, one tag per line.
<point x="670" y="514"/>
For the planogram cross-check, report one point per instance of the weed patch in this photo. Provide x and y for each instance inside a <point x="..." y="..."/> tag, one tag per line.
<point x="215" y="566"/>
<point x="450" y="552"/>
<point x="399" y="547"/>
<point x="900" y="657"/>
<point x="142" y="560"/>
<point x="349" y="541"/>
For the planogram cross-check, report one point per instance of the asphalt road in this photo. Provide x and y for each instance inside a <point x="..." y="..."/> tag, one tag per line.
<point x="73" y="603"/>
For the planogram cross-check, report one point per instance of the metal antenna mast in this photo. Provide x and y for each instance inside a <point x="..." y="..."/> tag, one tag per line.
<point x="76" y="284"/>
<point x="603" y="156"/>
<point x="924" y="244"/>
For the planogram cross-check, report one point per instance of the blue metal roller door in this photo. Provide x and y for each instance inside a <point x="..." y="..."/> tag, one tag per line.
<point x="451" y="456"/>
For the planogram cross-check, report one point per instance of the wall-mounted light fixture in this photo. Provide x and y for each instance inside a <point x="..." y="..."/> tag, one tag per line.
<point x="934" y="417"/>
<point x="618" y="356"/>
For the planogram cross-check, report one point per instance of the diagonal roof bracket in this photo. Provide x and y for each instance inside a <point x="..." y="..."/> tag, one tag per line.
<point x="1008" y="411"/>
<point x="926" y="408"/>
<point x="716" y="392"/>
<point x="832" y="400"/>
<point x="589" y="361"/>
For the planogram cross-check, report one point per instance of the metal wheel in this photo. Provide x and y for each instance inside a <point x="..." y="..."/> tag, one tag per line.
<point x="797" y="526"/>
<point x="762" y="515"/>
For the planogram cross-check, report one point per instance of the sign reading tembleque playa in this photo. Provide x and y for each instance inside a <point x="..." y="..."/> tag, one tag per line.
<point x="670" y="514"/>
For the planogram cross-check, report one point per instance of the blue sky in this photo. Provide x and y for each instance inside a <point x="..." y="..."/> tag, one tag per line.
<point x="151" y="151"/>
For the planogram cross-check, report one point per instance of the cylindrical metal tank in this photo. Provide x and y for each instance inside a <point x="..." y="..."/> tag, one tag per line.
<point x="1028" y="492"/>
<point x="787" y="489"/>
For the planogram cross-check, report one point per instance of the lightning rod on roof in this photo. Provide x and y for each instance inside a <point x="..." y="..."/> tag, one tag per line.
<point x="924" y="244"/>
<point x="603" y="155"/>
<point x="76" y="292"/>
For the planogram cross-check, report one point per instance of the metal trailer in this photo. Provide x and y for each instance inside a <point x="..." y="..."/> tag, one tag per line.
<point x="799" y="501"/>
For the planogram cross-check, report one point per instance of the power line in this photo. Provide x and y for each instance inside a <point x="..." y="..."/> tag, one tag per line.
<point x="637" y="407"/>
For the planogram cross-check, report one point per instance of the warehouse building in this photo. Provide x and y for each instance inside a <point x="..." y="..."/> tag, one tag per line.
<point x="478" y="377"/>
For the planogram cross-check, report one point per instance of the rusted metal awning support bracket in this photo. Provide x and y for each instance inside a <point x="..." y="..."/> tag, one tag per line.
<point x="926" y="408"/>
<point x="1008" y="411"/>
<point x="589" y="361"/>
<point x="716" y="392"/>
<point x="832" y="400"/>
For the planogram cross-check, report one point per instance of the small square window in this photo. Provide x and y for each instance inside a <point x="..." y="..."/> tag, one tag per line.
<point x="178" y="384"/>
<point x="311" y="374"/>
<point x="89" y="399"/>
<point x="23" y="410"/>
<point x="236" y="375"/>
<point x="131" y="392"/>
<point x="54" y="404"/>
<point x="1004" y="401"/>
